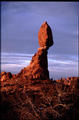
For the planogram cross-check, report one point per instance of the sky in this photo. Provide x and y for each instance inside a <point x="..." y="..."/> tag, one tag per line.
<point x="58" y="65"/>
<point x="21" y="21"/>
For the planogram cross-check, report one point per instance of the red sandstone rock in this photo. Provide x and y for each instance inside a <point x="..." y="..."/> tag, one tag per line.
<point x="3" y="73"/>
<point x="5" y="76"/>
<point x="45" y="36"/>
<point x="38" y="68"/>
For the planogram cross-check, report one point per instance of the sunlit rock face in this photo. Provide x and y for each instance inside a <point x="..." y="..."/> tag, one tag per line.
<point x="45" y="36"/>
<point x="38" y="68"/>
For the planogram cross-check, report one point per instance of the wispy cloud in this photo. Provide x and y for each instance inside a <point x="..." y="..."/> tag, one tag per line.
<point x="58" y="65"/>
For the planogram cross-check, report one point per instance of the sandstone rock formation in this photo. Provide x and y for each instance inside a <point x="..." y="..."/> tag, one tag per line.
<point x="38" y="68"/>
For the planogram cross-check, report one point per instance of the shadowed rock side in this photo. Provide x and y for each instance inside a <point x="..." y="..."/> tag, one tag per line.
<point x="31" y="95"/>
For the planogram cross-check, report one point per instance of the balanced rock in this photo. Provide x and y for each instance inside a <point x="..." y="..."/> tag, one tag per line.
<point x="38" y="68"/>
<point x="45" y="36"/>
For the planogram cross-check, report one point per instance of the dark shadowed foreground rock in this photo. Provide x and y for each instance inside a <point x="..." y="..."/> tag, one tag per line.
<point x="21" y="99"/>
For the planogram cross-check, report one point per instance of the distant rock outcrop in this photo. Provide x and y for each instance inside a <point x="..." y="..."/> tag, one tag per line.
<point x="38" y="68"/>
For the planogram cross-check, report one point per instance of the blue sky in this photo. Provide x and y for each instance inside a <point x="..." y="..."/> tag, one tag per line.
<point x="21" y="21"/>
